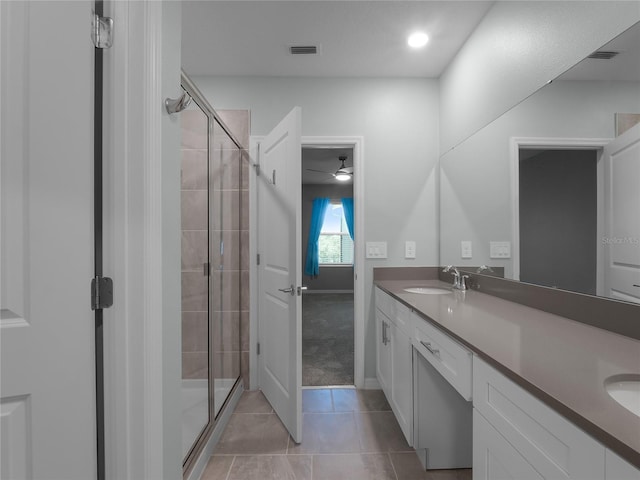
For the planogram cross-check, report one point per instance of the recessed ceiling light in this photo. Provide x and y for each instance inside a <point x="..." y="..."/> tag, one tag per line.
<point x="418" y="39"/>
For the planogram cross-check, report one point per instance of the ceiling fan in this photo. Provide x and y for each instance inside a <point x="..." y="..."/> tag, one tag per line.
<point x="342" y="174"/>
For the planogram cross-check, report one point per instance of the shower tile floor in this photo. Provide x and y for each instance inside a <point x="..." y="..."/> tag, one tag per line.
<point x="346" y="434"/>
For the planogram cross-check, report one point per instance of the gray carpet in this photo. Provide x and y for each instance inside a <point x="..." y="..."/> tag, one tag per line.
<point x="327" y="339"/>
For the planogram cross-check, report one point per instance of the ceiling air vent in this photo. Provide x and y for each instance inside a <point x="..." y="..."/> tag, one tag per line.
<point x="303" y="50"/>
<point x="603" y="55"/>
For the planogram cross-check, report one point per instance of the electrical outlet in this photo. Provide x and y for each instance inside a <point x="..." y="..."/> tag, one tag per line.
<point x="409" y="249"/>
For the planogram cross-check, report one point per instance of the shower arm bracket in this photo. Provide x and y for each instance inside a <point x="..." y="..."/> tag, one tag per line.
<point x="176" y="105"/>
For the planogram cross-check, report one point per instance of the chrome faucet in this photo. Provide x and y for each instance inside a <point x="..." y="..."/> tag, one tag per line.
<point x="459" y="281"/>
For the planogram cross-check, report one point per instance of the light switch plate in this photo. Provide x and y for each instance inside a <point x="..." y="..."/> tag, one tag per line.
<point x="465" y="249"/>
<point x="500" y="249"/>
<point x="409" y="249"/>
<point x="376" y="249"/>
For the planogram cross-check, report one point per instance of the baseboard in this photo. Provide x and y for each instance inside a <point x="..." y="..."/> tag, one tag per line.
<point x="205" y="455"/>
<point x="371" y="383"/>
<point x="311" y="292"/>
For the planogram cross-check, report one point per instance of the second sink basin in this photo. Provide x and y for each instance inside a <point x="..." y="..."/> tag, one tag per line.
<point x="427" y="290"/>
<point x="625" y="389"/>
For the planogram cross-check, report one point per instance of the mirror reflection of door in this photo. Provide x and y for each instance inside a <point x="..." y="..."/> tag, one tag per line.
<point x="327" y="305"/>
<point x="559" y="218"/>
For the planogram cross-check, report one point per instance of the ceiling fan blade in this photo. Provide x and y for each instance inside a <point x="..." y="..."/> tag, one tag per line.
<point x="319" y="171"/>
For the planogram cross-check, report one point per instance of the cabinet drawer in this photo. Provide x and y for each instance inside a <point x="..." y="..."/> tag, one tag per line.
<point x="394" y="310"/>
<point x="403" y="318"/>
<point x="385" y="303"/>
<point x="551" y="444"/>
<point x="448" y="357"/>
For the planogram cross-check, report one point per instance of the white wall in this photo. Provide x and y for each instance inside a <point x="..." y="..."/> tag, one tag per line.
<point x="475" y="176"/>
<point x="515" y="50"/>
<point x="398" y="119"/>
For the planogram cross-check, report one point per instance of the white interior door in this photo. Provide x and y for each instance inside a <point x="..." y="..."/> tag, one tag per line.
<point x="622" y="221"/>
<point x="47" y="382"/>
<point x="280" y="271"/>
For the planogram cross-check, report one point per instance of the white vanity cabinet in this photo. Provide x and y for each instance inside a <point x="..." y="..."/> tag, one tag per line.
<point x="615" y="468"/>
<point x="517" y="436"/>
<point x="394" y="359"/>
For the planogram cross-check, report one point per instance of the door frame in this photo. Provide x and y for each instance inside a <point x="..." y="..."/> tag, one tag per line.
<point x="357" y="144"/>
<point x="560" y="143"/>
<point x="142" y="242"/>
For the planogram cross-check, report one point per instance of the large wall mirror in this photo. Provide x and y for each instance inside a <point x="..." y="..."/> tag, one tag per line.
<point x="550" y="191"/>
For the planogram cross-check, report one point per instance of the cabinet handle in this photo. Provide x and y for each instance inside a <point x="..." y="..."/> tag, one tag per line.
<point x="384" y="332"/>
<point x="428" y="346"/>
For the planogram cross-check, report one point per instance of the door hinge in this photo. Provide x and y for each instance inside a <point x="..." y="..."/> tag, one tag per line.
<point x="258" y="259"/>
<point x="101" y="293"/>
<point x="258" y="348"/>
<point x="206" y="267"/>
<point x="101" y="31"/>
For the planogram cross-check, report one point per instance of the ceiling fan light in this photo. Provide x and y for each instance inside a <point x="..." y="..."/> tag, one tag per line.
<point x="342" y="176"/>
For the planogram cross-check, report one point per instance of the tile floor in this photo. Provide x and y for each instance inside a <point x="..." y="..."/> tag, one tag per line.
<point x="346" y="434"/>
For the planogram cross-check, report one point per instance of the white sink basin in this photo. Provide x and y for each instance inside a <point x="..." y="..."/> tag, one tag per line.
<point x="428" y="290"/>
<point x="625" y="389"/>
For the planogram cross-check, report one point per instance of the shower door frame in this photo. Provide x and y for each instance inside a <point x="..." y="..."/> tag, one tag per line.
<point x="189" y="462"/>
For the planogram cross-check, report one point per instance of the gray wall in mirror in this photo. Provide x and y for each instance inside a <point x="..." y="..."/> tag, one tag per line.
<point x="477" y="200"/>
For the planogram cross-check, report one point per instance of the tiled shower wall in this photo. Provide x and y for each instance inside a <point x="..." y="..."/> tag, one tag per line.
<point x="230" y="222"/>
<point x="194" y="184"/>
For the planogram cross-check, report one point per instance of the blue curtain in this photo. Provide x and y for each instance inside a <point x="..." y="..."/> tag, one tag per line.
<point x="311" y="266"/>
<point x="347" y="208"/>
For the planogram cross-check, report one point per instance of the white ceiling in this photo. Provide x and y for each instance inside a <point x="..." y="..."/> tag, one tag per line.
<point x="357" y="38"/>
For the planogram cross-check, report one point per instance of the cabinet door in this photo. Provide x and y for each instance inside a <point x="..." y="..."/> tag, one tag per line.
<point x="554" y="446"/>
<point x="401" y="380"/>
<point x="494" y="458"/>
<point x="618" y="469"/>
<point x="383" y="353"/>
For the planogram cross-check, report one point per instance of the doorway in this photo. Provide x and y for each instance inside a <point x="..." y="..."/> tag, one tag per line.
<point x="328" y="259"/>
<point x="558" y="185"/>
<point x="559" y="218"/>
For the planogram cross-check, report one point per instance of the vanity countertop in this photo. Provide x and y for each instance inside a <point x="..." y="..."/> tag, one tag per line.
<point x="562" y="362"/>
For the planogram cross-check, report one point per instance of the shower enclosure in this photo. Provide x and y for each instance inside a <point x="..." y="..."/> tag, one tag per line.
<point x="211" y="179"/>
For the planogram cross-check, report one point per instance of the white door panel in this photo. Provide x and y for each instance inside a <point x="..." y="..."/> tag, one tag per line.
<point x="47" y="378"/>
<point x="622" y="203"/>
<point x="280" y="315"/>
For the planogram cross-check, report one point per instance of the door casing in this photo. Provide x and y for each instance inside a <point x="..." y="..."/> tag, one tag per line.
<point x="357" y="144"/>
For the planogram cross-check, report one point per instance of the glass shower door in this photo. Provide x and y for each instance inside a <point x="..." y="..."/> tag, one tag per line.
<point x="211" y="187"/>
<point x="195" y="275"/>
<point x="225" y="254"/>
